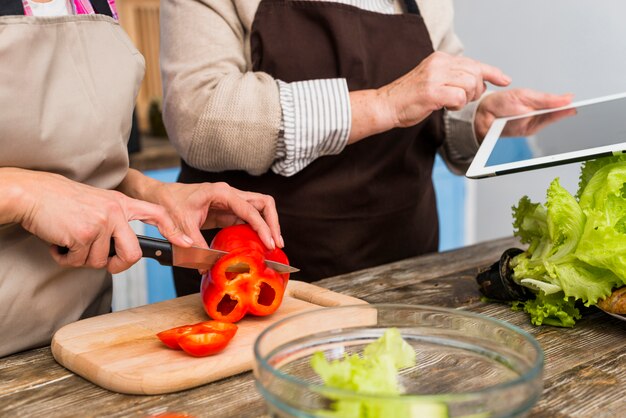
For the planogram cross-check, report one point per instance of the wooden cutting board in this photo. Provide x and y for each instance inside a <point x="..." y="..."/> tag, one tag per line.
<point x="120" y="351"/>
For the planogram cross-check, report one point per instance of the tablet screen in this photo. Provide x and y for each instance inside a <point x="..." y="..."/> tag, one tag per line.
<point x="578" y="132"/>
<point x="564" y="131"/>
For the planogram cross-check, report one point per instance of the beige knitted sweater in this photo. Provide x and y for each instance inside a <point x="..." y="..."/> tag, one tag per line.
<point x="220" y="115"/>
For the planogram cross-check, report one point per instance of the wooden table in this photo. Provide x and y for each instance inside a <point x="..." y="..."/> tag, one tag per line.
<point x="584" y="376"/>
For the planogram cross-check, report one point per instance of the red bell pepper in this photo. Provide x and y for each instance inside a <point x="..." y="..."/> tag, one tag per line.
<point x="201" y="339"/>
<point x="240" y="282"/>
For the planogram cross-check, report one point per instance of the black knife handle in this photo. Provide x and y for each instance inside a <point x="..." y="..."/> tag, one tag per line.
<point x="155" y="248"/>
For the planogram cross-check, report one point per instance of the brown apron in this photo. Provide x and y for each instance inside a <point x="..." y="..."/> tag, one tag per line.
<point x="67" y="99"/>
<point x="374" y="203"/>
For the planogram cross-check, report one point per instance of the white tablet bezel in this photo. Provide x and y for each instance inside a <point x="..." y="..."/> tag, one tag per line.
<point x="478" y="169"/>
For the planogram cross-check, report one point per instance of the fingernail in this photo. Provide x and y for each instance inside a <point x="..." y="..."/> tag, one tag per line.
<point x="187" y="239"/>
<point x="273" y="244"/>
<point x="282" y="241"/>
<point x="506" y="78"/>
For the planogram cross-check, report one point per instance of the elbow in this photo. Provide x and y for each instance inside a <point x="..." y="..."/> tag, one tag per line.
<point x="213" y="143"/>
<point x="178" y="127"/>
<point x="233" y="125"/>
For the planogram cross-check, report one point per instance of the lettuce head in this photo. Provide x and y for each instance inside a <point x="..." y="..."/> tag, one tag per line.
<point x="576" y="244"/>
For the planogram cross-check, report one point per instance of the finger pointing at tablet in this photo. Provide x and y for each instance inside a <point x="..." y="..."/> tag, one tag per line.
<point x="439" y="81"/>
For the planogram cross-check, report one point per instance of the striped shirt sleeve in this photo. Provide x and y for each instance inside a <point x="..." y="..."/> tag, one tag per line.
<point x="316" y="121"/>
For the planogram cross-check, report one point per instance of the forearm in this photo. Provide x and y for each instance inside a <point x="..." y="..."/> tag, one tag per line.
<point x="321" y="117"/>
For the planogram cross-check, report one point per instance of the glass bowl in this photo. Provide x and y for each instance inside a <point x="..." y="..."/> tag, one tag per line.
<point x="468" y="365"/>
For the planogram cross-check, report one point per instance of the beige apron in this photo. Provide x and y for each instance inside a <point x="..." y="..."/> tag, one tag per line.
<point x="67" y="90"/>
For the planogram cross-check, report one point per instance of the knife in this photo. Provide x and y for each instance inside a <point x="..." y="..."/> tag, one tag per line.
<point x="168" y="254"/>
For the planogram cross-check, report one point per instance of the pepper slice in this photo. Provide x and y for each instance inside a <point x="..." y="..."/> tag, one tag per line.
<point x="240" y="282"/>
<point x="170" y="337"/>
<point x="176" y="338"/>
<point x="205" y="344"/>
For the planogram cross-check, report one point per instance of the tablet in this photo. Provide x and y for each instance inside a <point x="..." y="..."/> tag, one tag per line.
<point x="580" y="131"/>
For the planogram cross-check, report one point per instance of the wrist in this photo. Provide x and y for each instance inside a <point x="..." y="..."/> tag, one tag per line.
<point x="372" y="113"/>
<point x="481" y="123"/>
<point x="17" y="202"/>
<point x="139" y="186"/>
<point x="483" y="116"/>
<point x="388" y="114"/>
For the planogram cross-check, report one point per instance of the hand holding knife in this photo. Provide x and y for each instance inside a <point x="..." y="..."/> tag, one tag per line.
<point x="168" y="254"/>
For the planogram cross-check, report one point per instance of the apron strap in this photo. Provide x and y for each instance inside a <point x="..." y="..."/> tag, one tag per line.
<point x="411" y="7"/>
<point x="101" y="7"/>
<point x="16" y="8"/>
<point x="11" y="8"/>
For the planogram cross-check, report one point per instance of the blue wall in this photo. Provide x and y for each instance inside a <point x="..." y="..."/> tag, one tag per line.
<point x="450" y="190"/>
<point x="159" y="278"/>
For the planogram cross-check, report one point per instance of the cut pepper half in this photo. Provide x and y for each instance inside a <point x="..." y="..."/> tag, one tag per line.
<point x="241" y="283"/>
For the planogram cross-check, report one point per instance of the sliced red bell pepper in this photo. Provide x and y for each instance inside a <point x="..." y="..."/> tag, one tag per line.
<point x="240" y="282"/>
<point x="252" y="287"/>
<point x="176" y="338"/>
<point x="242" y="236"/>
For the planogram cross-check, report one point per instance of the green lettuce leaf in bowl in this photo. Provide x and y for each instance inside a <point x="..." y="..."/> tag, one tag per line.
<point x="375" y="372"/>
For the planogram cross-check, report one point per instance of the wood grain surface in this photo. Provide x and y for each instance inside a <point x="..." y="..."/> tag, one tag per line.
<point x="584" y="376"/>
<point x="120" y="351"/>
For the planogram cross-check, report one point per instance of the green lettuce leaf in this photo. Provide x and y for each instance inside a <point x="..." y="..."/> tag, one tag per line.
<point x="587" y="283"/>
<point x="554" y="233"/>
<point x="530" y="222"/>
<point x="608" y="181"/>
<point x="374" y="373"/>
<point x="358" y="374"/>
<point x="391" y="345"/>
<point x="589" y="169"/>
<point x="552" y="309"/>
<point x="566" y="222"/>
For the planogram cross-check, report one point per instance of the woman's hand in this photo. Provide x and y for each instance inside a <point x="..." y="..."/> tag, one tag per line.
<point x="439" y="81"/>
<point x="84" y="219"/>
<point x="516" y="102"/>
<point x="215" y="205"/>
<point x="208" y="205"/>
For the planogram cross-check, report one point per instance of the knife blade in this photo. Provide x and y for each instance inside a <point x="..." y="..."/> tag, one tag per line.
<point x="168" y="254"/>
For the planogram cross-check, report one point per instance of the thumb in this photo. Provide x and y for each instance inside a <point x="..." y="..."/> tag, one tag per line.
<point x="540" y="100"/>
